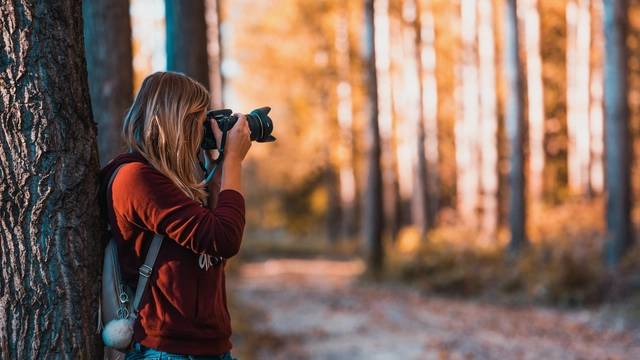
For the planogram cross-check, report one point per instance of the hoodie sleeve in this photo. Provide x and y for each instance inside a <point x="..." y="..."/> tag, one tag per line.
<point x="143" y="196"/>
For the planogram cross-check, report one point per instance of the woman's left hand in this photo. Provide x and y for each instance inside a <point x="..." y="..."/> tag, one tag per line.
<point x="211" y="155"/>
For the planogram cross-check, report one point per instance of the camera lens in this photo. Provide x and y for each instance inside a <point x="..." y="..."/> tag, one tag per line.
<point x="259" y="124"/>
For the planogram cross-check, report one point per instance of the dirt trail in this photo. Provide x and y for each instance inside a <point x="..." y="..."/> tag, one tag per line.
<point x="313" y="309"/>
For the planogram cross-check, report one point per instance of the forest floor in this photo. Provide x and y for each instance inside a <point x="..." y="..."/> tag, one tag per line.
<point x="319" y="309"/>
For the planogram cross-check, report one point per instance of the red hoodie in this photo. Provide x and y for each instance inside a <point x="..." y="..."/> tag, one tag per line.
<point x="184" y="310"/>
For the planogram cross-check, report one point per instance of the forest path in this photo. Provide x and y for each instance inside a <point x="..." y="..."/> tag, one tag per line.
<point x="315" y="309"/>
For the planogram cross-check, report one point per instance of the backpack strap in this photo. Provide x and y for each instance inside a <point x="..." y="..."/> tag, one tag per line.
<point x="147" y="268"/>
<point x="145" y="271"/>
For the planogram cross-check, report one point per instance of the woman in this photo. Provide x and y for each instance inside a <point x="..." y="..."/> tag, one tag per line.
<point x="160" y="191"/>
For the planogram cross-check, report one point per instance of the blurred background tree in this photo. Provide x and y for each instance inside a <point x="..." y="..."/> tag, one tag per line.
<point x="617" y="149"/>
<point x="107" y="34"/>
<point x="187" y="39"/>
<point x="514" y="126"/>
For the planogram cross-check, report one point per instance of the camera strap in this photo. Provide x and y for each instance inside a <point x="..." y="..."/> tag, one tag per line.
<point x="217" y="161"/>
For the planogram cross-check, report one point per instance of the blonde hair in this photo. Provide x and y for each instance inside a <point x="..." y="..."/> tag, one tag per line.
<point x="164" y="125"/>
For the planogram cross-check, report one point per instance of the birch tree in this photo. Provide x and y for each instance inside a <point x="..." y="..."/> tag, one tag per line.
<point x="50" y="230"/>
<point x="385" y="115"/>
<point x="531" y="20"/>
<point x="488" y="127"/>
<point x="476" y="131"/>
<point x="578" y="74"/>
<point x="596" y="89"/>
<point x="467" y="125"/>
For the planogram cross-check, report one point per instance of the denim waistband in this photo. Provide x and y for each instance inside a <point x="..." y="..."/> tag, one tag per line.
<point x="141" y="352"/>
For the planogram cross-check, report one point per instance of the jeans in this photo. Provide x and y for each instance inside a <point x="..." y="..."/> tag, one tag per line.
<point x="141" y="352"/>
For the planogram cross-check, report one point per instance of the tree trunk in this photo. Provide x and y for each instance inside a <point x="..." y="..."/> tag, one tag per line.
<point x="107" y="32"/>
<point x="428" y="127"/>
<point x="373" y="213"/>
<point x="214" y="50"/>
<point x="346" y="176"/>
<point x="331" y="180"/>
<point x="331" y="175"/>
<point x="531" y="19"/>
<point x="417" y="194"/>
<point x="596" y="115"/>
<point x="467" y="125"/>
<point x="382" y="31"/>
<point x="573" y="160"/>
<point x="50" y="227"/>
<point x="187" y="39"/>
<point x="578" y="59"/>
<point x="514" y="126"/>
<point x="488" y="134"/>
<point x="617" y="146"/>
<point x="406" y="100"/>
<point x="583" y="70"/>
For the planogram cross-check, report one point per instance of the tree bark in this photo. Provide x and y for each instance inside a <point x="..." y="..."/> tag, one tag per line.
<point x="373" y="214"/>
<point x="514" y="126"/>
<point x="50" y="227"/>
<point x="107" y="32"/>
<point x="187" y="39"/>
<point x="617" y="144"/>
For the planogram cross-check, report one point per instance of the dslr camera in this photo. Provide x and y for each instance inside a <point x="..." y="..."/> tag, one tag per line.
<point x="259" y="123"/>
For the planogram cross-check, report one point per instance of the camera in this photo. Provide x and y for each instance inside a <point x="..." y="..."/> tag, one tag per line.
<point x="259" y="123"/>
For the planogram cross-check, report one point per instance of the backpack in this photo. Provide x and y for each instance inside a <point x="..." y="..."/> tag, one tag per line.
<point x="118" y="304"/>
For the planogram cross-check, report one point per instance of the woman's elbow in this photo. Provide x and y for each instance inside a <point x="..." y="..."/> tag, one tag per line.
<point x="229" y="248"/>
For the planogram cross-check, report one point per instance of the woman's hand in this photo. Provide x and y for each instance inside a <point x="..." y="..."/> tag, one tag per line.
<point x="237" y="146"/>
<point x="239" y="131"/>
<point x="238" y="139"/>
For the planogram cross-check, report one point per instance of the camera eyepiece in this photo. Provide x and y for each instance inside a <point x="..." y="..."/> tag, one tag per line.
<point x="259" y="123"/>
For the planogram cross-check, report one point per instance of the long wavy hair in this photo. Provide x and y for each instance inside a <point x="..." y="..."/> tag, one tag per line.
<point x="164" y="125"/>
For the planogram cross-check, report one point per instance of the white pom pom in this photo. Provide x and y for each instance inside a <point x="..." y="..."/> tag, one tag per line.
<point x="118" y="333"/>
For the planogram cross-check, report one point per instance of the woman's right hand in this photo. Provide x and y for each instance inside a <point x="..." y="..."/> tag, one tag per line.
<point x="236" y="148"/>
<point x="238" y="138"/>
